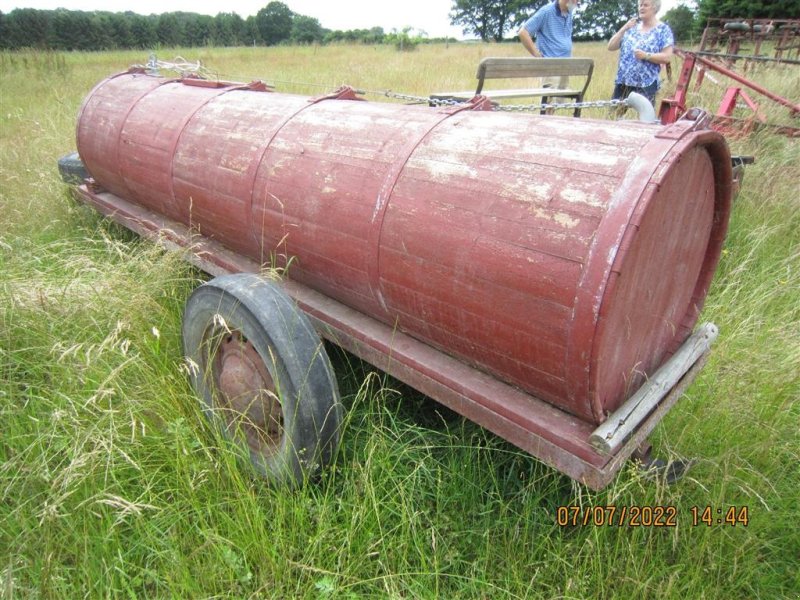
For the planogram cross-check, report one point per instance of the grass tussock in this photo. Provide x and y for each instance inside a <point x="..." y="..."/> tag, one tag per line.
<point x="112" y="484"/>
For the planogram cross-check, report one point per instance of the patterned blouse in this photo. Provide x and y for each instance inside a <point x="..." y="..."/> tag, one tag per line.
<point x="641" y="73"/>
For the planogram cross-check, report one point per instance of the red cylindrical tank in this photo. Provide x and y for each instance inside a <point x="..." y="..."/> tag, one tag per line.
<point x="565" y="256"/>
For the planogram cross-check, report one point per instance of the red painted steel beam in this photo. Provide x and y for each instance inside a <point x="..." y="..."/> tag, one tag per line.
<point x="674" y="107"/>
<point x="793" y="107"/>
<point x="728" y="102"/>
<point x="735" y="57"/>
<point x="753" y="106"/>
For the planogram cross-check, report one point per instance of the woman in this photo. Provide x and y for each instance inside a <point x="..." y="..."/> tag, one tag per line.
<point x="645" y="44"/>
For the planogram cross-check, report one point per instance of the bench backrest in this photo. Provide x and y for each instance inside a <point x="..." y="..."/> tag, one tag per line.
<point x="510" y="68"/>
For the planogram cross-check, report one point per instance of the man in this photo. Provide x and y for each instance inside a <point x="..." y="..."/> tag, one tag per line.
<point x="551" y="25"/>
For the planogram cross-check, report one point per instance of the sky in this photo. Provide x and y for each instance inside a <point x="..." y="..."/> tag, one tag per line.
<point x="430" y="16"/>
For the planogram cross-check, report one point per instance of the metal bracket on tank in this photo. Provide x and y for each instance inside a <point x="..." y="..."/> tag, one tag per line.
<point x="259" y="86"/>
<point x="253" y="86"/>
<point x="475" y="103"/>
<point x="345" y="92"/>
<point x="695" y="119"/>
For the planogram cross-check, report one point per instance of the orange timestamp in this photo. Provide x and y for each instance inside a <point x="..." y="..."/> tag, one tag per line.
<point x="709" y="515"/>
<point x="617" y="516"/>
<point x="649" y="516"/>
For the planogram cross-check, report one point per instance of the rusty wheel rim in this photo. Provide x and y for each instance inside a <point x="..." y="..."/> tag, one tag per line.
<point x="244" y="392"/>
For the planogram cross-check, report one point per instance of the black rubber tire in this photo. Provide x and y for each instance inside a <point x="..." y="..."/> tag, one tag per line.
<point x="72" y="169"/>
<point x="738" y="163"/>
<point x="246" y="311"/>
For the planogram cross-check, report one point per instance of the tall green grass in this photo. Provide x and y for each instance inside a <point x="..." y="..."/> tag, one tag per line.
<point x="112" y="484"/>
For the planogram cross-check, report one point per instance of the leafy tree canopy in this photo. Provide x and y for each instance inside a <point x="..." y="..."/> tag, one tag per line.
<point x="748" y="9"/>
<point x="274" y="23"/>
<point x="600" y="19"/>
<point x="491" y="19"/>
<point x="306" y="30"/>
<point x="681" y="20"/>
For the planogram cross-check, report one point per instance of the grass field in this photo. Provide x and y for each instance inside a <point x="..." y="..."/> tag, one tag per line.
<point x="112" y="485"/>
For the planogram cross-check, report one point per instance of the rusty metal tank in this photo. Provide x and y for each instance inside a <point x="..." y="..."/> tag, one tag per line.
<point x="567" y="257"/>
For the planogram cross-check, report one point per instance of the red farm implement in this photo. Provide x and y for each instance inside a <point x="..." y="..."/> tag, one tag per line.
<point x="739" y="95"/>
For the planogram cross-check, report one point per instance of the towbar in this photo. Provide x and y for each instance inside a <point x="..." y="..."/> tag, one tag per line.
<point x="609" y="436"/>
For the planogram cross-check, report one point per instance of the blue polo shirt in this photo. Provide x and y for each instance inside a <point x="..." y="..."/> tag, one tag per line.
<point x="552" y="30"/>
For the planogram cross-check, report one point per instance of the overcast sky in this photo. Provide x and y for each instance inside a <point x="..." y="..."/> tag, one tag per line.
<point x="430" y="16"/>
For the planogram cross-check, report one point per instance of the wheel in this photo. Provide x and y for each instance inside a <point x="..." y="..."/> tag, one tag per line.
<point x="71" y="168"/>
<point x="738" y="163"/>
<point x="263" y="376"/>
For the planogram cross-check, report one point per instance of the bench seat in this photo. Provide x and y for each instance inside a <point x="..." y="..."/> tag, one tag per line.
<point x="527" y="67"/>
<point x="513" y="93"/>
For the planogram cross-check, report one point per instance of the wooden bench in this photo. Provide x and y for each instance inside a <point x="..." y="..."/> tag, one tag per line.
<point x="527" y="67"/>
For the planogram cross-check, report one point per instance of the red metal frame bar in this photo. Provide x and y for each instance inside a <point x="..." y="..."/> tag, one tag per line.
<point x="672" y="108"/>
<point x="728" y="104"/>
<point x="792" y="106"/>
<point x="749" y="57"/>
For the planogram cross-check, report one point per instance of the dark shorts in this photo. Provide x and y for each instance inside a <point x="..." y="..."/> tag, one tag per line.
<point x="621" y="91"/>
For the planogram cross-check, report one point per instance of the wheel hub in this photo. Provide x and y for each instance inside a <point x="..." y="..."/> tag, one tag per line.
<point x="248" y="394"/>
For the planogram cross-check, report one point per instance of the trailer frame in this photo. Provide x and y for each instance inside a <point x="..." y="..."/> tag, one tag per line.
<point x="553" y="436"/>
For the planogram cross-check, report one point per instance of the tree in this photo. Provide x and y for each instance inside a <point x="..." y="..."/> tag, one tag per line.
<point x="169" y="30"/>
<point x="228" y="29"/>
<point x="375" y="35"/>
<point x="101" y="32"/>
<point x="490" y="19"/>
<point x="27" y="28"/>
<point x="198" y="30"/>
<point x="250" y="31"/>
<point x="121" y="30"/>
<point x="306" y="30"/>
<point x="405" y="40"/>
<point x="68" y="30"/>
<point x="748" y="9"/>
<point x="143" y="31"/>
<point x="274" y="23"/>
<point x="681" y="20"/>
<point x="600" y="19"/>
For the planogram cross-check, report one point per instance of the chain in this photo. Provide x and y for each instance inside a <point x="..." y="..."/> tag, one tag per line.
<point x="559" y="105"/>
<point x="509" y="107"/>
<point x="423" y="99"/>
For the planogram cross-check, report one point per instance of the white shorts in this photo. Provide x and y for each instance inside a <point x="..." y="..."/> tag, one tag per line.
<point x="560" y="82"/>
